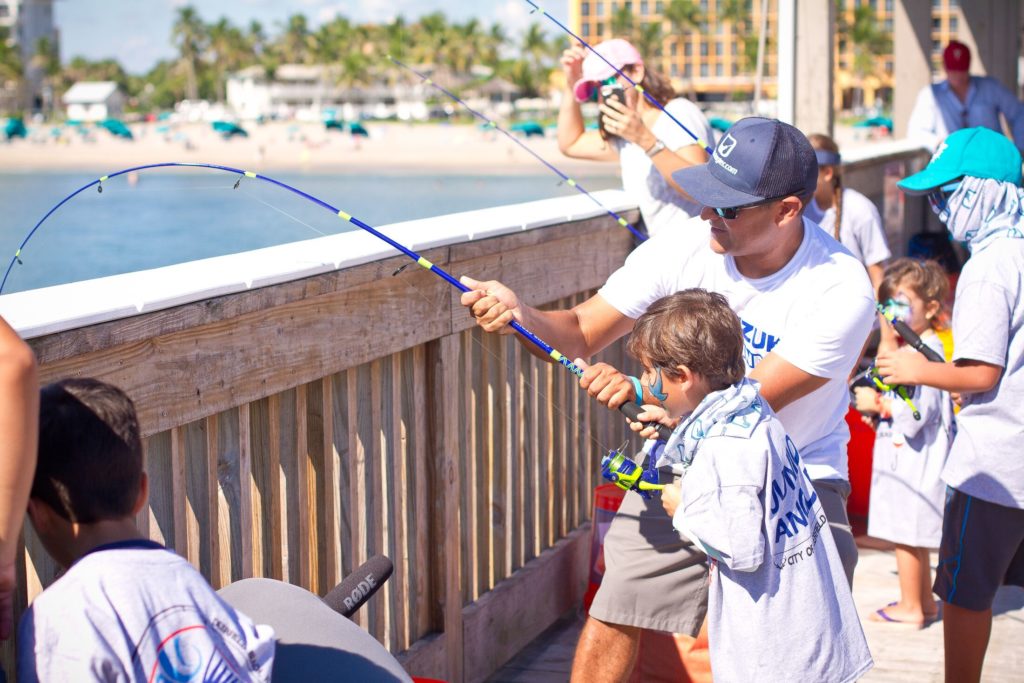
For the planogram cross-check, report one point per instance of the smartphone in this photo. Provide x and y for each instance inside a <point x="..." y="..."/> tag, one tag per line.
<point x="610" y="92"/>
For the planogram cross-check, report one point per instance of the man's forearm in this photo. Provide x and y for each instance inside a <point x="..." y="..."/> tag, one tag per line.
<point x="560" y="329"/>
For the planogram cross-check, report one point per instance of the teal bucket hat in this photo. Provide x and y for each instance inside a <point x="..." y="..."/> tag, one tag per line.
<point x="975" y="152"/>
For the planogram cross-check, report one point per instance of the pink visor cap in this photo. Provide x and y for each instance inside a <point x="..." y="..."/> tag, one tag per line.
<point x="617" y="51"/>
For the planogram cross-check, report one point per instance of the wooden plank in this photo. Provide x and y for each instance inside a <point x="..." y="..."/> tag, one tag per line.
<point x="519" y="494"/>
<point x="331" y="547"/>
<point x="197" y="512"/>
<point x="228" y="450"/>
<point x="275" y="475"/>
<point x="220" y="546"/>
<point x="469" y="390"/>
<point x="301" y="501"/>
<point x="506" y="619"/>
<point x="179" y="496"/>
<point x="357" y="482"/>
<point x="444" y="379"/>
<point x="399" y="503"/>
<point x="421" y="492"/>
<point x="379" y="609"/>
<point x="426" y="657"/>
<point x="246" y="518"/>
<point x="157" y="512"/>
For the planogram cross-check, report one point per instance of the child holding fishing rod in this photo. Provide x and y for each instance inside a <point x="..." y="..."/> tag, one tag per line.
<point x="973" y="184"/>
<point x="779" y="606"/>
<point x="648" y="145"/>
<point x="907" y="492"/>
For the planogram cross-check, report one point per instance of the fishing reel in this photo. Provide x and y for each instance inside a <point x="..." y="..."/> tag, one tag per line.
<point x="629" y="476"/>
<point x="871" y="378"/>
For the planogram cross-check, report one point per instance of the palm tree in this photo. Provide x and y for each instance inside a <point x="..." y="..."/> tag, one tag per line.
<point x="295" y="44"/>
<point x="869" y="40"/>
<point x="683" y="16"/>
<point x="230" y="50"/>
<point x="189" y="35"/>
<point x="46" y="61"/>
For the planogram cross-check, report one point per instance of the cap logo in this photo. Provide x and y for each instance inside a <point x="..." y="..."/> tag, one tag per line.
<point x="726" y="146"/>
<point x="942" y="148"/>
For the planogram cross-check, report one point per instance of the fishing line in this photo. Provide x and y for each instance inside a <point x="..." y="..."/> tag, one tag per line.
<point x="639" y="88"/>
<point x="566" y="179"/>
<point x="630" y="409"/>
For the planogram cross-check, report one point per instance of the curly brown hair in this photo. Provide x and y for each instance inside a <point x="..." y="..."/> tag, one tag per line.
<point x="926" y="278"/>
<point x="695" y="328"/>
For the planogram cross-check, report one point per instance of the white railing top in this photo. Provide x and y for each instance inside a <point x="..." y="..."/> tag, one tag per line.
<point x="47" y="310"/>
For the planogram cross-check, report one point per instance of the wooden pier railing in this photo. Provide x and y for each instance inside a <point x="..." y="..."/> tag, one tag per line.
<point x="292" y="431"/>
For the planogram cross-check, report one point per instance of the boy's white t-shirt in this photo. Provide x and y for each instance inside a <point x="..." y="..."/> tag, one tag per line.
<point x="779" y="605"/>
<point x="660" y="204"/>
<point x="138" y="612"/>
<point x="861" y="231"/>
<point x="988" y="318"/>
<point x="815" y="313"/>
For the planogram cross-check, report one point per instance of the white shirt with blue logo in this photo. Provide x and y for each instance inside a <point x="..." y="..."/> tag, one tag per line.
<point x="779" y="606"/>
<point x="815" y="313"/>
<point x="139" y="614"/>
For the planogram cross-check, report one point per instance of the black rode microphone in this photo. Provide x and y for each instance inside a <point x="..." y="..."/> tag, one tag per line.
<point x="356" y="588"/>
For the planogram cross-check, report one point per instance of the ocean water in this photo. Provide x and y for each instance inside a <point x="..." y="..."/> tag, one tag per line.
<point x="168" y="216"/>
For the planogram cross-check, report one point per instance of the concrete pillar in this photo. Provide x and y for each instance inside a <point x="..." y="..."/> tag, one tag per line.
<point x="806" y="75"/>
<point x="992" y="30"/>
<point x="912" y="45"/>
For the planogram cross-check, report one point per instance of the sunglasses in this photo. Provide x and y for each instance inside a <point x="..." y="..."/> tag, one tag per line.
<point x="938" y="198"/>
<point x="733" y="212"/>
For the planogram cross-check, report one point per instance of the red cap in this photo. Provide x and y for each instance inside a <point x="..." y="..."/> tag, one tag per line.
<point x="956" y="56"/>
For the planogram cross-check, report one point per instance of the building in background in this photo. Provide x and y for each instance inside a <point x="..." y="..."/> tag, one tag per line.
<point x="28" y="22"/>
<point x="94" y="101"/>
<point x="710" y="49"/>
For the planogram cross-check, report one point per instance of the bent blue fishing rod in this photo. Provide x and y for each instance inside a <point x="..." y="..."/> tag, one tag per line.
<point x="569" y="181"/>
<point x="639" y="88"/>
<point x="631" y="410"/>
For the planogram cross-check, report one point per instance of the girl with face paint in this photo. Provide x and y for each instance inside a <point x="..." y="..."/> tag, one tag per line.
<point x="907" y="492"/>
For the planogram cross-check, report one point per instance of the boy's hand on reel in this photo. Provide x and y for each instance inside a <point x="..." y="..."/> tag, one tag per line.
<point x="670" y="497"/>
<point x="649" y="415"/>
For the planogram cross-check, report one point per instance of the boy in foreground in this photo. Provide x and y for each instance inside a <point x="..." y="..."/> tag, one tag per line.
<point x="126" y="608"/>
<point x="779" y="606"/>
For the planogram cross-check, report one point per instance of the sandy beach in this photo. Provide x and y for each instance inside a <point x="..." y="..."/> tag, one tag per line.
<point x="398" y="147"/>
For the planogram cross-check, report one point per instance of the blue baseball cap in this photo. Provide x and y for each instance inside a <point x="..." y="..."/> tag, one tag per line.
<point x="975" y="152"/>
<point x="756" y="159"/>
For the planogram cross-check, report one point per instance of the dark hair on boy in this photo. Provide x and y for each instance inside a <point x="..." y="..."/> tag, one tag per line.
<point x="695" y="328"/>
<point x="90" y="451"/>
<point x="927" y="278"/>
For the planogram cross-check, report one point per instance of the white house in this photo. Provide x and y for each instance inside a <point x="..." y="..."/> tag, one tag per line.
<point x="93" y="101"/>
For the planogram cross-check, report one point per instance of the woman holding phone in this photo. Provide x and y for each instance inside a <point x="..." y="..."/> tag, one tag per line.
<point x="648" y="145"/>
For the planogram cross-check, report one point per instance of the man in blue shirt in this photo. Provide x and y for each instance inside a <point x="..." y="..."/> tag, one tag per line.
<point x="963" y="101"/>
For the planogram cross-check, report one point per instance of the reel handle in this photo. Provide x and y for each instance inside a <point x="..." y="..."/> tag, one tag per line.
<point x="631" y="410"/>
<point x="916" y="342"/>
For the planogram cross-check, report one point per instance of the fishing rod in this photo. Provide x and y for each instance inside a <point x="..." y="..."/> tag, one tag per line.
<point x="569" y="181"/>
<point x="631" y="410"/>
<point x="913" y="339"/>
<point x="639" y="88"/>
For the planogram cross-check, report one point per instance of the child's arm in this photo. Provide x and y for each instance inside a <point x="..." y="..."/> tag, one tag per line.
<point x="19" y="424"/>
<point x="964" y="376"/>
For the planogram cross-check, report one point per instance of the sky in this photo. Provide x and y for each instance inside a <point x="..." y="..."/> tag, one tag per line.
<point x="137" y="32"/>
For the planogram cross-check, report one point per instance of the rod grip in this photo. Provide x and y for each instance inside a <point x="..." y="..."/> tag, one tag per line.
<point x="916" y="342"/>
<point x="631" y="410"/>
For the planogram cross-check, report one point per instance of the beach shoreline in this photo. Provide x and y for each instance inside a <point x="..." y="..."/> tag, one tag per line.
<point x="390" y="148"/>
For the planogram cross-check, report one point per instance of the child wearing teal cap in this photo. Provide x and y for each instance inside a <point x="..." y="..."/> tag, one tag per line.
<point x="973" y="183"/>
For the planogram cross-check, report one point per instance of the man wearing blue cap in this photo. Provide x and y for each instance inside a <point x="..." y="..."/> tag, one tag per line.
<point x="806" y="307"/>
<point x="973" y="183"/>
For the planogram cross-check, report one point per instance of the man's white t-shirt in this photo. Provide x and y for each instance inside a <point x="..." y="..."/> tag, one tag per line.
<point x="815" y="313"/>
<point x="138" y="612"/>
<point x="861" y="231"/>
<point x="779" y="606"/>
<point x="660" y="204"/>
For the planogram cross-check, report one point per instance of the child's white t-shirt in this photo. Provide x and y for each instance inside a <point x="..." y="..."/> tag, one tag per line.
<point x="779" y="606"/>
<point x="815" y="313"/>
<point x="138" y="612"/>
<point x="861" y="231"/>
<point x="661" y="205"/>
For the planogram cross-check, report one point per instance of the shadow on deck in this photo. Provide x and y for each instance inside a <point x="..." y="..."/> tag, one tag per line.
<point x="900" y="654"/>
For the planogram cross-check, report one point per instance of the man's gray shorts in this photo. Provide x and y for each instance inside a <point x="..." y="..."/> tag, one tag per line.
<point x="654" y="578"/>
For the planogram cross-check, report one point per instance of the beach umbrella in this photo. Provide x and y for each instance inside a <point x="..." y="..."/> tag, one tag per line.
<point x="228" y="130"/>
<point x="14" y="128"/>
<point x="334" y="124"/>
<point x="875" y="122"/>
<point x="719" y="123"/>
<point x="116" y="128"/>
<point x="527" y="128"/>
<point x="356" y="128"/>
